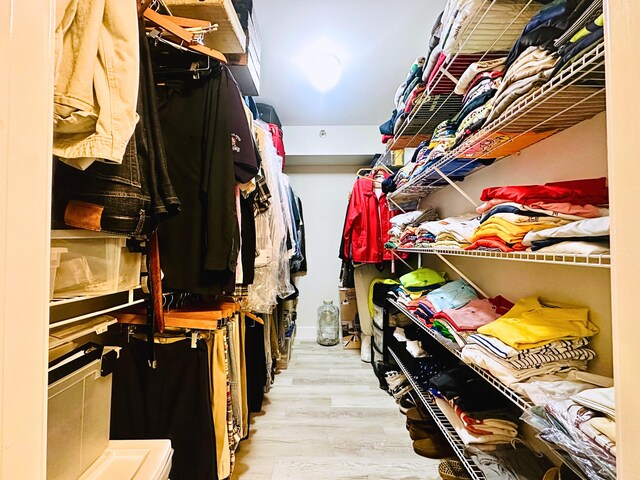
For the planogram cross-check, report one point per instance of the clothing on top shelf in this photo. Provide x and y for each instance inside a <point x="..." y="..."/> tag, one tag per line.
<point x="580" y="192"/>
<point x="588" y="229"/>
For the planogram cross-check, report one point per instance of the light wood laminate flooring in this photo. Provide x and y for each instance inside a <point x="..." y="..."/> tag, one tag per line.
<point x="326" y="418"/>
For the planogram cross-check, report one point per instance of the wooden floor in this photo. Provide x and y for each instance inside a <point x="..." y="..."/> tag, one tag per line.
<point x="326" y="418"/>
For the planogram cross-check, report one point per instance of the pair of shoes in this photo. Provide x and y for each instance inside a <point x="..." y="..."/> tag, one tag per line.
<point x="419" y="432"/>
<point x="452" y="470"/>
<point x="433" y="447"/>
<point x="381" y="370"/>
<point x="406" y="402"/>
<point x="395" y="379"/>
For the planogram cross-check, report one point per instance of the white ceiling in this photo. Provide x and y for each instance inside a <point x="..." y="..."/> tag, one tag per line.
<point x="379" y="39"/>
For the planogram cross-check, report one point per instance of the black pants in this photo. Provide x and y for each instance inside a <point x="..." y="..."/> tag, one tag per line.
<point x="171" y="401"/>
<point x="255" y="357"/>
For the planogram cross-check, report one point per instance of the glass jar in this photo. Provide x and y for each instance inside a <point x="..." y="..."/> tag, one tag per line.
<point x="328" y="324"/>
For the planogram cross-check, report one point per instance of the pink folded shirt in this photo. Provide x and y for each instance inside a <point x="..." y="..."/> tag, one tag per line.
<point x="586" y="211"/>
<point x="476" y="313"/>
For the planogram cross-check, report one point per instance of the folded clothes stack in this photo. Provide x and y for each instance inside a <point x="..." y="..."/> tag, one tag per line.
<point x="479" y="84"/>
<point x="450" y="35"/>
<point x="532" y="339"/>
<point x="403" y="232"/>
<point x="417" y="284"/>
<point x="458" y="324"/>
<point x="584" y="426"/>
<point x="479" y="414"/>
<point x="453" y="232"/>
<point x="561" y="217"/>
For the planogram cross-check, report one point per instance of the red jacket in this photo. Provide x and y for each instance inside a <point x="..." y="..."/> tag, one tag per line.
<point x="366" y="227"/>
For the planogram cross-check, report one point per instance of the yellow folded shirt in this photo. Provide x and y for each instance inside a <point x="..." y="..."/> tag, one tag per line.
<point x="531" y="324"/>
<point x="508" y="231"/>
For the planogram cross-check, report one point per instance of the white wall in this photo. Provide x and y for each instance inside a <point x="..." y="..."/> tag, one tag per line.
<point x="337" y="140"/>
<point x="324" y="193"/>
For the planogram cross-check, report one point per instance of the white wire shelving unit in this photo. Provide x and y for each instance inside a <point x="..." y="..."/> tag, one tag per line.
<point x="77" y="309"/>
<point x="575" y="259"/>
<point x="443" y="423"/>
<point x="514" y="397"/>
<point x="575" y="94"/>
<point x="485" y="35"/>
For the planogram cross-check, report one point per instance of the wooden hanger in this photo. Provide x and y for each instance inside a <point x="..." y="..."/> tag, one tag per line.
<point x="253" y="317"/>
<point x="172" y="26"/>
<point x="198" y="320"/>
<point x="370" y="173"/>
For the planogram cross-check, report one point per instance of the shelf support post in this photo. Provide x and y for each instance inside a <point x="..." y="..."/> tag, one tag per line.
<point x="455" y="269"/>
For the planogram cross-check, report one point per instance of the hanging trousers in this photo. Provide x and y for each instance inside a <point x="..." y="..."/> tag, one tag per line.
<point x="219" y="401"/>
<point x="171" y="401"/>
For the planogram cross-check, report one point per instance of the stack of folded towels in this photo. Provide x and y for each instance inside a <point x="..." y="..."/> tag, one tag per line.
<point x="533" y="338"/>
<point x="479" y="414"/>
<point x="561" y="217"/>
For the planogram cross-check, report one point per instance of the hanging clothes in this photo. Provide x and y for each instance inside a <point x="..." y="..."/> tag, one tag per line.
<point x="366" y="225"/>
<point x="209" y="148"/>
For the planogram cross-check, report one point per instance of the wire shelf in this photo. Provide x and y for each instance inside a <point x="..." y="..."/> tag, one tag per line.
<point x="78" y="309"/>
<point x="514" y="397"/>
<point x="486" y="35"/>
<point x="603" y="261"/>
<point x="445" y="426"/>
<point x="576" y="94"/>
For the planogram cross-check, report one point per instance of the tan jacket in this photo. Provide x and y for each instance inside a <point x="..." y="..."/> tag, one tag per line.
<point x="96" y="80"/>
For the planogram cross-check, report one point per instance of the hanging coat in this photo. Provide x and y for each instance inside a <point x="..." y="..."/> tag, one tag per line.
<point x="366" y="225"/>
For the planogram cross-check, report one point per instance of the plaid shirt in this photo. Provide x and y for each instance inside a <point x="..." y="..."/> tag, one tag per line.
<point x="262" y="199"/>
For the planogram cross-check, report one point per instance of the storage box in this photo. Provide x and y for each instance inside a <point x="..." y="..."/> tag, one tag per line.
<point x="94" y="264"/>
<point x="348" y="304"/>
<point x="245" y="67"/>
<point x="349" y="319"/>
<point x="78" y="421"/>
<point x="56" y="254"/>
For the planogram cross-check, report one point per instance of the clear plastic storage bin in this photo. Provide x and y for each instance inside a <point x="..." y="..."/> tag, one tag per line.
<point x="78" y="421"/>
<point x="95" y="264"/>
<point x="56" y="254"/>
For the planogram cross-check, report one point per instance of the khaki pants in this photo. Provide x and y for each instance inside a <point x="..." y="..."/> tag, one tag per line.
<point x="219" y="401"/>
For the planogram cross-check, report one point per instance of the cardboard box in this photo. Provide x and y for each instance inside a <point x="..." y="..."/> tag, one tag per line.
<point x="349" y="319"/>
<point x="348" y="304"/>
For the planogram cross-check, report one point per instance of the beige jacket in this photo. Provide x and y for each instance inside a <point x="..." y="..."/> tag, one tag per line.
<point x="96" y="80"/>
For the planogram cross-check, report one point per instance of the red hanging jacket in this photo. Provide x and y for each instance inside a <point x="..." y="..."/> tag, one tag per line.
<point x="278" y="142"/>
<point x="367" y="225"/>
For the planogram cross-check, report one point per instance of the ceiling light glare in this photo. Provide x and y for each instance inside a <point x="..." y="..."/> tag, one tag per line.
<point x="323" y="71"/>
